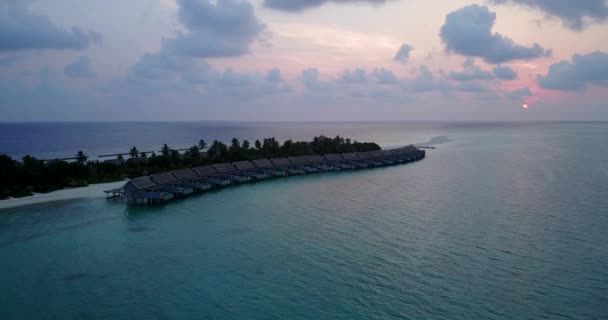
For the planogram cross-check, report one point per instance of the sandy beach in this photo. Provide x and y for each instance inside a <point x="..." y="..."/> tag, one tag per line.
<point x="91" y="191"/>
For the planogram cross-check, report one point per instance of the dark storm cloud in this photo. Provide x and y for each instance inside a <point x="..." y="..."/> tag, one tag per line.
<point x="22" y="30"/>
<point x="468" y="31"/>
<point x="583" y="71"/>
<point x="403" y="54"/>
<point x="575" y="15"/>
<point x="301" y="5"/>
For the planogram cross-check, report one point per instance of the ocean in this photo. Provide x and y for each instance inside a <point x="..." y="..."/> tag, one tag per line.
<point x="500" y="221"/>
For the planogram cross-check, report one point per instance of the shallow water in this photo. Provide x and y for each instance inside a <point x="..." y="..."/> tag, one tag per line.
<point x="501" y="221"/>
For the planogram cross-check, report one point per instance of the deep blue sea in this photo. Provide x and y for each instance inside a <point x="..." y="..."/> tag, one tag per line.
<point x="501" y="221"/>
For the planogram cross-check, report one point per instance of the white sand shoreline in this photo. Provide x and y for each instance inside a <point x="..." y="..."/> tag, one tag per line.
<point x="91" y="191"/>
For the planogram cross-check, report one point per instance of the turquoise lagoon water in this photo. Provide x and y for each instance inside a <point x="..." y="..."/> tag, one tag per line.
<point x="504" y="221"/>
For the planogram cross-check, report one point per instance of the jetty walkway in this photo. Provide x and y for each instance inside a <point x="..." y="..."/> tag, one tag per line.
<point x="165" y="186"/>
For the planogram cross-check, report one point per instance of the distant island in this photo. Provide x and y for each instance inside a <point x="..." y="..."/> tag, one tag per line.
<point x="32" y="175"/>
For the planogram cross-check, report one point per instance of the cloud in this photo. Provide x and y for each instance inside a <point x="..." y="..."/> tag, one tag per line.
<point x="468" y="31"/>
<point x="583" y="71"/>
<point x="223" y="29"/>
<point x="403" y="53"/>
<point x="21" y="30"/>
<point x="384" y="76"/>
<point x="426" y="81"/>
<point x="575" y="15"/>
<point x="357" y="76"/>
<point x="519" y="94"/>
<point x="80" y="68"/>
<point x="504" y="73"/>
<point x="470" y="72"/>
<point x="212" y="29"/>
<point x="301" y="5"/>
<point x="310" y="79"/>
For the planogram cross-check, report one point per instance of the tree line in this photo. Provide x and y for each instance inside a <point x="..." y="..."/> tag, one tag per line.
<point x="22" y="178"/>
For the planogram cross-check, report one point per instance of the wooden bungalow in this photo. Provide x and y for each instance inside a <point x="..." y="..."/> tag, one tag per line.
<point x="247" y="168"/>
<point x="189" y="178"/>
<point x="335" y="160"/>
<point x="228" y="171"/>
<point x="170" y="184"/>
<point x="209" y="175"/>
<point x="393" y="156"/>
<point x="351" y="158"/>
<point x="286" y="165"/>
<point x="268" y="167"/>
<point x="367" y="157"/>
<point x="145" y="190"/>
<point x="379" y="156"/>
<point x="301" y="163"/>
<point x="320" y="163"/>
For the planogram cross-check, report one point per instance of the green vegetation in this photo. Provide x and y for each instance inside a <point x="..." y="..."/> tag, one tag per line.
<point x="19" y="179"/>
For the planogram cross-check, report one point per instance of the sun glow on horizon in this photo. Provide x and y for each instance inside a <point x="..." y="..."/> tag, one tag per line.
<point x="525" y="106"/>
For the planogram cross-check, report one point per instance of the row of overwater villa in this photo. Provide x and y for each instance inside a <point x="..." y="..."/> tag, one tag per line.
<point x="162" y="187"/>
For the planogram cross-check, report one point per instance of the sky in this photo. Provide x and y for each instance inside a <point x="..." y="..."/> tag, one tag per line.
<point x="303" y="60"/>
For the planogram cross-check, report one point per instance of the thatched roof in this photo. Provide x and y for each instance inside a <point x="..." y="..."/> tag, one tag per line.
<point x="386" y="153"/>
<point x="164" y="178"/>
<point x="263" y="163"/>
<point x="350" y="156"/>
<point x="243" y="165"/>
<point x="333" y="157"/>
<point x="298" y="160"/>
<point x="280" y="161"/>
<point x="377" y="154"/>
<point x="314" y="158"/>
<point x="365" y="155"/>
<point x="143" y="182"/>
<point x="185" y="174"/>
<point x="224" y="167"/>
<point x="205" y="171"/>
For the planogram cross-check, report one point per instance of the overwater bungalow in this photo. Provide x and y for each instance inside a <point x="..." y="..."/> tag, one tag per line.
<point x="171" y="184"/>
<point x="269" y="168"/>
<point x="161" y="187"/>
<point x="189" y="178"/>
<point x="335" y="160"/>
<point x="247" y="168"/>
<point x="318" y="162"/>
<point x="209" y="175"/>
<point x="388" y="154"/>
<point x="228" y="171"/>
<point x="286" y="165"/>
<point x="145" y="190"/>
<point x="379" y="156"/>
<point x="301" y="163"/>
<point x="351" y="158"/>
<point x="366" y="157"/>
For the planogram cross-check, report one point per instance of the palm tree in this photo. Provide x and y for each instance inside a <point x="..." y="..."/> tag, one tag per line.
<point x="235" y="146"/>
<point x="195" y="153"/>
<point x="258" y="144"/>
<point x="165" y="151"/>
<point x="246" y="145"/>
<point x="134" y="153"/>
<point x="202" y="144"/>
<point x="81" y="157"/>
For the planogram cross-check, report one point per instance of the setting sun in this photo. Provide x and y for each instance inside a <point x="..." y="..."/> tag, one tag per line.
<point x="525" y="106"/>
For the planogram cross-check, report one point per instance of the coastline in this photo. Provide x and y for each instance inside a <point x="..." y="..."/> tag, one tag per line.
<point x="90" y="191"/>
